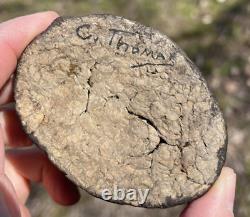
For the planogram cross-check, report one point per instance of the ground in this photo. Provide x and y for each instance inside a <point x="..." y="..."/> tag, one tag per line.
<point x="216" y="36"/>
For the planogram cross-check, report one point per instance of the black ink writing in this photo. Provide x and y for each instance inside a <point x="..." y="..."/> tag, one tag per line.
<point x="119" y="41"/>
<point x="117" y="38"/>
<point x="116" y="31"/>
<point x="152" y="64"/>
<point x="80" y="32"/>
<point x="120" y="44"/>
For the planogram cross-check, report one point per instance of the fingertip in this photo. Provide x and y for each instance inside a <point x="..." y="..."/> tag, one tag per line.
<point x="32" y="25"/>
<point x="47" y="15"/>
<point x="52" y="14"/>
<point x="16" y="34"/>
<point x="227" y="171"/>
<point x="68" y="193"/>
<point x="44" y="15"/>
<point x="218" y="201"/>
<point x="226" y="183"/>
<point x="34" y="165"/>
<point x="61" y="189"/>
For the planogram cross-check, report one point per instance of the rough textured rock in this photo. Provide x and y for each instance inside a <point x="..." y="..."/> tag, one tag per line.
<point x="113" y="102"/>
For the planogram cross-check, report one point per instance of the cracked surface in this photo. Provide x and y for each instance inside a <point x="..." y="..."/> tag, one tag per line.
<point x="116" y="103"/>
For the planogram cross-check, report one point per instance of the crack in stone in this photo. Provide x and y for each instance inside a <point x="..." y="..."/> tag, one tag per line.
<point x="87" y="105"/>
<point x="153" y="150"/>
<point x="149" y="122"/>
<point x="183" y="169"/>
<point x="192" y="180"/>
<point x="90" y="85"/>
<point x="162" y="140"/>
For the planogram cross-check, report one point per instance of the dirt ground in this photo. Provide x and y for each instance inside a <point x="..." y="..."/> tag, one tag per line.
<point x="216" y="36"/>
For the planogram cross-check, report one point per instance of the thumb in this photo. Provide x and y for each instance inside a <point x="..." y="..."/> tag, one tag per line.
<point x="218" y="201"/>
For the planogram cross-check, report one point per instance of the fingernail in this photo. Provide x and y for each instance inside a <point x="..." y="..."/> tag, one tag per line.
<point x="5" y="208"/>
<point x="230" y="189"/>
<point x="225" y="187"/>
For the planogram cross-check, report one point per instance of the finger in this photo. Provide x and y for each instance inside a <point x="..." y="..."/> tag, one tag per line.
<point x="9" y="205"/>
<point x="34" y="165"/>
<point x="218" y="201"/>
<point x="8" y="200"/>
<point x="20" y="184"/>
<point x="24" y="211"/>
<point x="15" y="35"/>
<point x="13" y="132"/>
<point x="6" y="93"/>
<point x="14" y="135"/>
<point x="9" y="172"/>
<point x="1" y="152"/>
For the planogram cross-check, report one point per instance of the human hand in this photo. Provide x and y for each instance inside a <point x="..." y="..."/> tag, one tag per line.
<point x="20" y="166"/>
<point x="218" y="201"/>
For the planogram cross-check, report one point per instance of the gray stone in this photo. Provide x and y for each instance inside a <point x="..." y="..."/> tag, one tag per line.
<point x="113" y="102"/>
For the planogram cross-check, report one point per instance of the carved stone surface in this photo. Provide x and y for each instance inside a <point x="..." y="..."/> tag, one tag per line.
<point x="113" y="102"/>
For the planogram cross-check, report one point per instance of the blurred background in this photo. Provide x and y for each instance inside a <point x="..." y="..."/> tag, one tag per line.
<point x="216" y="36"/>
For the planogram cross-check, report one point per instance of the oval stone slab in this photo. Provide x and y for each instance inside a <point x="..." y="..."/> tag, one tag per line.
<point x="116" y="104"/>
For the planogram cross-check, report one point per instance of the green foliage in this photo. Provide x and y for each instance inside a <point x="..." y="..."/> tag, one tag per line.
<point x="10" y="7"/>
